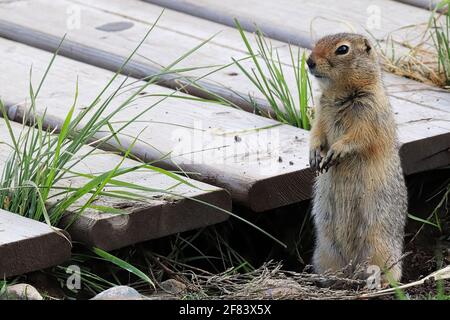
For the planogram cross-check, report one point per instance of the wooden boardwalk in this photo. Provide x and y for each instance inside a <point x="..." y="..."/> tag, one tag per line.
<point x="422" y="111"/>
<point x="236" y="150"/>
<point x="255" y="161"/>
<point x="160" y="214"/>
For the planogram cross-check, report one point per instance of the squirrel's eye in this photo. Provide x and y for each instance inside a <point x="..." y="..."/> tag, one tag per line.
<point x="342" y="49"/>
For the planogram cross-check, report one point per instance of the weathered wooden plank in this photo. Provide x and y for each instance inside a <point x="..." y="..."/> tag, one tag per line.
<point x="27" y="245"/>
<point x="262" y="163"/>
<point x="301" y="22"/>
<point x="161" y="214"/>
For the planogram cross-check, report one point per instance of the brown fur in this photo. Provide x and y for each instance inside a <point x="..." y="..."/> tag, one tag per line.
<point x="360" y="198"/>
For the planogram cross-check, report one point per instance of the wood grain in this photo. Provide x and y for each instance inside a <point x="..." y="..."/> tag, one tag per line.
<point x="159" y="215"/>
<point x="27" y="245"/>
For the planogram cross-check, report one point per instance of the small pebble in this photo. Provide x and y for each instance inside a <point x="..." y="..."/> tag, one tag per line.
<point x="173" y="286"/>
<point x="21" y="291"/>
<point x="119" y="293"/>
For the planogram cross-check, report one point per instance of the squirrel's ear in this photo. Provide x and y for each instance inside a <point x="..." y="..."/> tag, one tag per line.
<point x="368" y="45"/>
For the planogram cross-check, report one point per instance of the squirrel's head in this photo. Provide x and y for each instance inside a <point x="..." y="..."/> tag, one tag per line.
<point x="344" y="59"/>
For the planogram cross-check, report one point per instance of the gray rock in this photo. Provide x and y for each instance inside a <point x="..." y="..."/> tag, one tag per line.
<point x="173" y="286"/>
<point x="21" y="291"/>
<point x="119" y="293"/>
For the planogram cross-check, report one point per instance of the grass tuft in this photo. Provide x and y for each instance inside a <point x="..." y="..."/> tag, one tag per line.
<point x="268" y="77"/>
<point x="441" y="35"/>
<point x="426" y="58"/>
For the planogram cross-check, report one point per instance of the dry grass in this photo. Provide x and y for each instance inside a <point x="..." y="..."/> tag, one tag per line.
<point x="422" y="57"/>
<point x="269" y="282"/>
<point x="417" y="62"/>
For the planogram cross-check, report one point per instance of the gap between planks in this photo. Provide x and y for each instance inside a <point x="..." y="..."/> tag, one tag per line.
<point x="424" y="4"/>
<point x="159" y="215"/>
<point x="302" y="22"/>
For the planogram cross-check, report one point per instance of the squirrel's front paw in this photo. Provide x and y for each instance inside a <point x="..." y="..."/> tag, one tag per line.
<point x="332" y="158"/>
<point x="315" y="158"/>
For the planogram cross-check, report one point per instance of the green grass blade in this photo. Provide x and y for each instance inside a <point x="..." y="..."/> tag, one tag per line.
<point x="123" y="264"/>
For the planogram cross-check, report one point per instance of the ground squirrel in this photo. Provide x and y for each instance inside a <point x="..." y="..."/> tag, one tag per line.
<point x="360" y="197"/>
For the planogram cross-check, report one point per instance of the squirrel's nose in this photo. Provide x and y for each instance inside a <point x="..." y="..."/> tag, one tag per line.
<point x="311" y="63"/>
